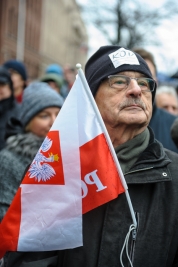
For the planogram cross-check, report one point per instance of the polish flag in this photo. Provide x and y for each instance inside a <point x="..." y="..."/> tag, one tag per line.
<point x="73" y="172"/>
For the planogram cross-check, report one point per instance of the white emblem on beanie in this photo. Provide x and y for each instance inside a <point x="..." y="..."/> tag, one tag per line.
<point x="123" y="56"/>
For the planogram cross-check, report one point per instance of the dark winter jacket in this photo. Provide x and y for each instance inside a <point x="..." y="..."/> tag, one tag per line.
<point x="161" y="123"/>
<point x="8" y="108"/>
<point x="153" y="188"/>
<point x="174" y="132"/>
<point x="14" y="159"/>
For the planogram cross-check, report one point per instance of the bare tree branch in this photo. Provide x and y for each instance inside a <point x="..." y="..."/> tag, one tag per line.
<point x="134" y="24"/>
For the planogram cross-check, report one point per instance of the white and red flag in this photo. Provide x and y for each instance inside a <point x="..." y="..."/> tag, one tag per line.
<point x="73" y="172"/>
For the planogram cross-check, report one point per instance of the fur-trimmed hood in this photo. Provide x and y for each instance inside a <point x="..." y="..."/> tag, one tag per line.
<point x="24" y="144"/>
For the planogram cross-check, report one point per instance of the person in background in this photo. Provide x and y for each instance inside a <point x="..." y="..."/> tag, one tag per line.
<point x="161" y="120"/>
<point x="19" y="77"/>
<point x="69" y="74"/>
<point x="40" y="106"/>
<point x="8" y="105"/>
<point x="174" y="132"/>
<point x="166" y="98"/>
<point x="53" y="80"/>
<point x="124" y="90"/>
<point x="148" y="57"/>
<point x="57" y="70"/>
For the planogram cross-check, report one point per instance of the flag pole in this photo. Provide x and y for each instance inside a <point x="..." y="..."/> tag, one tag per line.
<point x="90" y="96"/>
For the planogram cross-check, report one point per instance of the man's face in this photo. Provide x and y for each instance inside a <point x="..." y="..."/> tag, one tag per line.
<point x="128" y="107"/>
<point x="5" y="91"/>
<point x="18" y="82"/>
<point x="167" y="102"/>
<point x="54" y="86"/>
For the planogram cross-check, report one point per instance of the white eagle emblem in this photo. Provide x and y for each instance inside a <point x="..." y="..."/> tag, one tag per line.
<point x="39" y="169"/>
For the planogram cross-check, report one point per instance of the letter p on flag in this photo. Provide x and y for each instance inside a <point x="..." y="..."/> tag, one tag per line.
<point x="95" y="181"/>
<point x="73" y="172"/>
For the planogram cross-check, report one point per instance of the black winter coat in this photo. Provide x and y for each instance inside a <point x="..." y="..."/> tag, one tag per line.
<point x="161" y="123"/>
<point x="153" y="188"/>
<point x="8" y="108"/>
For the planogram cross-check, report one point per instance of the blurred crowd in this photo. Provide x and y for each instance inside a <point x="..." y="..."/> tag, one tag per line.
<point x="28" y="110"/>
<point x="14" y="82"/>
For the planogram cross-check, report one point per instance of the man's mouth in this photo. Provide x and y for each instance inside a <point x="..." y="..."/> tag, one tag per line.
<point x="132" y="107"/>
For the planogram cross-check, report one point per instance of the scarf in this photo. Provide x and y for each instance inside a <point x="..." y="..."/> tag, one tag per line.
<point x="129" y="152"/>
<point x="25" y="144"/>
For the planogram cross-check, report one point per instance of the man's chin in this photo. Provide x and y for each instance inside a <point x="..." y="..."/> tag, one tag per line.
<point x="137" y="120"/>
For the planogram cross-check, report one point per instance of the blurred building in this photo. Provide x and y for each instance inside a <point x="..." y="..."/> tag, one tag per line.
<point x="41" y="32"/>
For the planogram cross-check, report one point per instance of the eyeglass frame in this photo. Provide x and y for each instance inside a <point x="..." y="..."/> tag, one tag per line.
<point x="130" y="78"/>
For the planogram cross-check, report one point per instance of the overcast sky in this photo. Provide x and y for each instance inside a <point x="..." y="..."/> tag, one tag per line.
<point x="166" y="56"/>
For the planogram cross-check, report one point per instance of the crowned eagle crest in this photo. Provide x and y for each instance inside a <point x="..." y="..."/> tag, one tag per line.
<point x="40" y="169"/>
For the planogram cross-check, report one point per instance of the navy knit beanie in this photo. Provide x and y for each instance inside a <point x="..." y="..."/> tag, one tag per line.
<point x="36" y="97"/>
<point x="17" y="66"/>
<point x="110" y="60"/>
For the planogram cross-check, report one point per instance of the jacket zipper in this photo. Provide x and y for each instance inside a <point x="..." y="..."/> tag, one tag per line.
<point x="133" y="241"/>
<point x="135" y="231"/>
<point x="145" y="169"/>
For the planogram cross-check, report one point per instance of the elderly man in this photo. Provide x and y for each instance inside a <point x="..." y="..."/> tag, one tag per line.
<point x="124" y="90"/>
<point x="166" y="98"/>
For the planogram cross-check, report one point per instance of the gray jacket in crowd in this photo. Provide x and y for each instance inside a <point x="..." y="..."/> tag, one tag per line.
<point x="14" y="159"/>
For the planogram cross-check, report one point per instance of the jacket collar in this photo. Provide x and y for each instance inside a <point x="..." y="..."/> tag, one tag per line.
<point x="152" y="164"/>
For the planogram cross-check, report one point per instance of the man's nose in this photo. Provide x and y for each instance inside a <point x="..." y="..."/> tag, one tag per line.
<point x="134" y="88"/>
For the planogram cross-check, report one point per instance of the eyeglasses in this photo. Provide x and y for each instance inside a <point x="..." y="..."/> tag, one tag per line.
<point x="121" y="82"/>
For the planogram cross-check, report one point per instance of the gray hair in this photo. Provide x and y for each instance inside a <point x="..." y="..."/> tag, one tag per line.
<point x="166" y="89"/>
